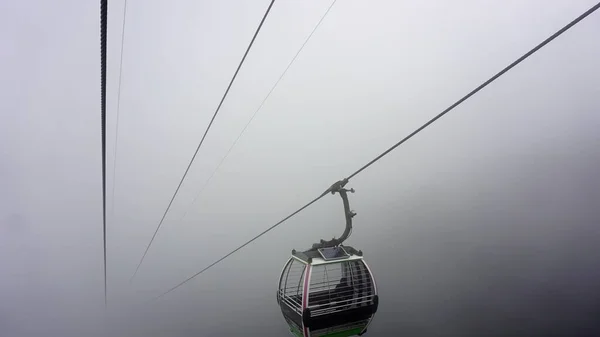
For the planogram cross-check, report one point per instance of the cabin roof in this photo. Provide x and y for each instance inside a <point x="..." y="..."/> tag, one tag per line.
<point x="314" y="257"/>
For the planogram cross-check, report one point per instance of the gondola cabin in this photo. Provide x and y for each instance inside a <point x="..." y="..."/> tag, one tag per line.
<point x="327" y="292"/>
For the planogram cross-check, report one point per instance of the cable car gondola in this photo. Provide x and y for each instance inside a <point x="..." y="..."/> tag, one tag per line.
<point x="328" y="290"/>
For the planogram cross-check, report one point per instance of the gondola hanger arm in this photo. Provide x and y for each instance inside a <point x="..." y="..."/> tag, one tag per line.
<point x="338" y="187"/>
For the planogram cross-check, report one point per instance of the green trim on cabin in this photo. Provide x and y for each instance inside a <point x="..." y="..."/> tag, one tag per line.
<point x="294" y="330"/>
<point x="346" y="333"/>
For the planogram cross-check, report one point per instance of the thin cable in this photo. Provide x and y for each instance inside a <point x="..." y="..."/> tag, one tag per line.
<point x="256" y="112"/>
<point x="103" y="29"/>
<point x="118" y="112"/>
<point x="483" y="85"/>
<point x="242" y="246"/>
<point x="204" y="136"/>
<point x="571" y="24"/>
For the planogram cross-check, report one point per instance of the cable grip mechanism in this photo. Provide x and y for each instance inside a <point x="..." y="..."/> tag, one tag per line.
<point x="338" y="187"/>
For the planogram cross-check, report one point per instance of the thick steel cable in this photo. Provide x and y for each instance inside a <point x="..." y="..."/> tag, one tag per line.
<point x="483" y="85"/>
<point x="344" y="181"/>
<point x="103" y="29"/>
<point x="242" y="246"/>
<point x="203" y="137"/>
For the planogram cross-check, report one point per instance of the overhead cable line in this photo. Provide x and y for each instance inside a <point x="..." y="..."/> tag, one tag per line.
<point x="203" y="137"/>
<point x="345" y="181"/>
<point x="256" y="111"/>
<point x="245" y="244"/>
<point x="483" y="85"/>
<point x="103" y="29"/>
<point x="118" y="112"/>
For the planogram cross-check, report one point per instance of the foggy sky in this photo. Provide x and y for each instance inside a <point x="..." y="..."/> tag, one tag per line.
<point x="485" y="223"/>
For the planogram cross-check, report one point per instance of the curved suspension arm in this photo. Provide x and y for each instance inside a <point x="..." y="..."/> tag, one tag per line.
<point x="338" y="187"/>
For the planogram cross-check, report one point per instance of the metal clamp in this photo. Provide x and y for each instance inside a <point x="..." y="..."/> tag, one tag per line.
<point x="338" y="187"/>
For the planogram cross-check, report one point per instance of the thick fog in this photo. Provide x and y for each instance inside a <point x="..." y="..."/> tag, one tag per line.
<point x="484" y="224"/>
